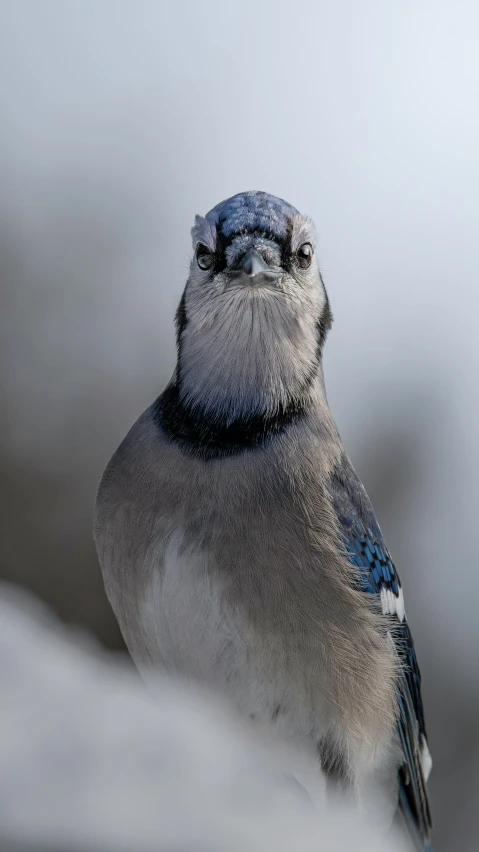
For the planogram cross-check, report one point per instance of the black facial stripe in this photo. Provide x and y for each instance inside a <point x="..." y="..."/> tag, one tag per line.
<point x="220" y="251"/>
<point x="223" y="242"/>
<point x="323" y="324"/>
<point x="286" y="252"/>
<point x="180" y="317"/>
<point x="210" y="437"/>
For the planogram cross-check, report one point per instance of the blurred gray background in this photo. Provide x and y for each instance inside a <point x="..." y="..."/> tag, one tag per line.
<point x="119" y="122"/>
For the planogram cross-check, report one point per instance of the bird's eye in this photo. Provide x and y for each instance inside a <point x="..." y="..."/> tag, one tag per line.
<point x="204" y="257"/>
<point x="304" y="255"/>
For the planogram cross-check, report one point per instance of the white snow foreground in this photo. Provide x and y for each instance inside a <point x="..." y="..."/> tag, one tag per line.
<point x="89" y="762"/>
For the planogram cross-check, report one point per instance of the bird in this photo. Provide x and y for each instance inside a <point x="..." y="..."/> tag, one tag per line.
<point x="238" y="545"/>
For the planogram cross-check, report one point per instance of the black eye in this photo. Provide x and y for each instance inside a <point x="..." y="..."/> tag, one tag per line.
<point x="204" y="257"/>
<point x="304" y="255"/>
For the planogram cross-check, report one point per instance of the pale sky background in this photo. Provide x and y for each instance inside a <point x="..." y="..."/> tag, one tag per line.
<point x="122" y="120"/>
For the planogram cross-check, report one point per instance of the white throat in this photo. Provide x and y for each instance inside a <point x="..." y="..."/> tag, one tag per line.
<point x="253" y="354"/>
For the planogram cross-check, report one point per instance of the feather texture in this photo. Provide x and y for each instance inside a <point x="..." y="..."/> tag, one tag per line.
<point x="377" y="576"/>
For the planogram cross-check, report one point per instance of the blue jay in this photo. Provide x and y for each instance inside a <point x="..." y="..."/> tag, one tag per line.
<point x="237" y="544"/>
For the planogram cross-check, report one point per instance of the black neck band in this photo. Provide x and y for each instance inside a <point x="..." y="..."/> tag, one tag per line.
<point x="210" y="436"/>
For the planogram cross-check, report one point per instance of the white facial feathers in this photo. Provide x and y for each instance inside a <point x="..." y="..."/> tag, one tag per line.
<point x="303" y="231"/>
<point x="203" y="231"/>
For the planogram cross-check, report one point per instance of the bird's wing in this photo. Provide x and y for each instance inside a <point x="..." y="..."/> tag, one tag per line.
<point x="377" y="576"/>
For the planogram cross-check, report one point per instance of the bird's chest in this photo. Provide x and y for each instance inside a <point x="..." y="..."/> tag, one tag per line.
<point x="184" y="616"/>
<point x="240" y="583"/>
<point x="221" y="606"/>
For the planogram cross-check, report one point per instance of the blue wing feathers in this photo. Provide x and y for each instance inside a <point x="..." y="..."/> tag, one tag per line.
<point x="366" y="550"/>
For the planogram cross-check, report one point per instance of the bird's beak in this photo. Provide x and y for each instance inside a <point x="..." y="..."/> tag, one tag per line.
<point x="253" y="270"/>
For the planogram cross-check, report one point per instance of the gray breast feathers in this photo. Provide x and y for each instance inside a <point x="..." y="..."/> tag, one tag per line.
<point x="232" y="572"/>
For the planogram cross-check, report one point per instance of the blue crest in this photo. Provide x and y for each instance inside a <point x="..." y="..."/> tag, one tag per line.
<point x="252" y="211"/>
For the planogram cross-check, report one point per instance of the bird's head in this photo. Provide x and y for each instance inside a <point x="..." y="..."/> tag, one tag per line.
<point x="254" y="314"/>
